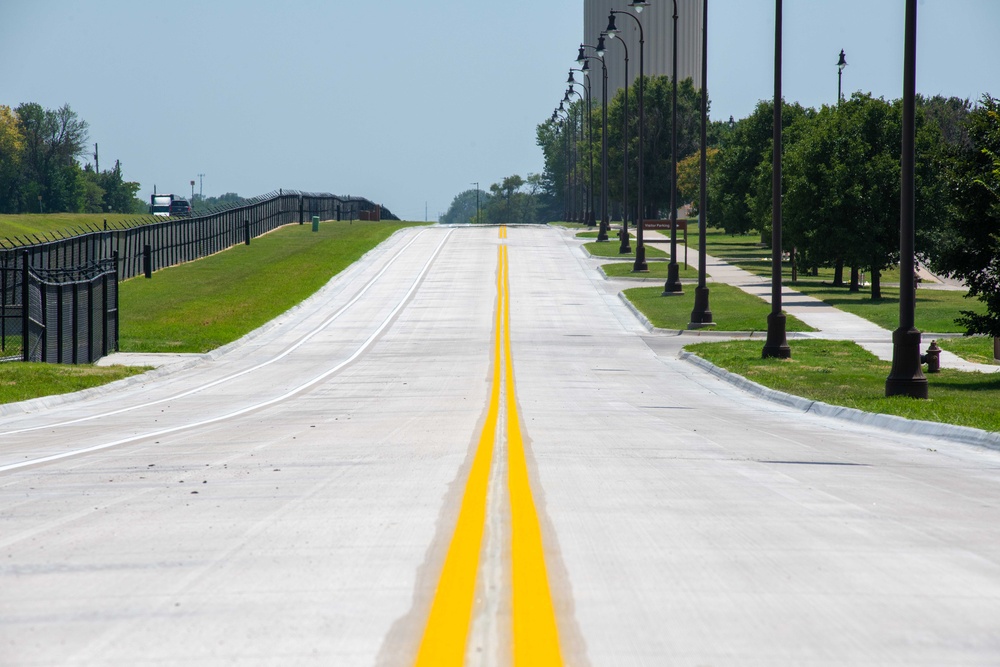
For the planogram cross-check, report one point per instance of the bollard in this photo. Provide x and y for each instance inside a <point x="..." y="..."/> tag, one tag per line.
<point x="932" y="358"/>
<point x="315" y="223"/>
<point x="147" y="260"/>
<point x="246" y="232"/>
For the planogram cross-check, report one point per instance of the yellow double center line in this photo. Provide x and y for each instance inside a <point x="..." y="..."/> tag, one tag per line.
<point x="535" y="639"/>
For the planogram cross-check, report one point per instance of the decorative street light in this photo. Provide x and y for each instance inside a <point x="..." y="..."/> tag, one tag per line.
<point x="612" y="31"/>
<point x="589" y="204"/>
<point x="701" y="314"/>
<point x="841" y="64"/>
<point x="625" y="247"/>
<point x="477" y="189"/>
<point x="906" y="378"/>
<point x="776" y="344"/>
<point x="673" y="284"/>
<point x="602" y="232"/>
<point x="567" y="190"/>
<point x="579" y="168"/>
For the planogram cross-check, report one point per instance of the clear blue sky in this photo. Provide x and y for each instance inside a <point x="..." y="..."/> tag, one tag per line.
<point x="406" y="102"/>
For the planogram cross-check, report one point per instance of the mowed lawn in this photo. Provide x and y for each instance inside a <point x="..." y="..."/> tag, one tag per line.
<point x="202" y="305"/>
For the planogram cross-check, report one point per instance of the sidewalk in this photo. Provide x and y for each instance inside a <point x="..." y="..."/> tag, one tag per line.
<point x="831" y="323"/>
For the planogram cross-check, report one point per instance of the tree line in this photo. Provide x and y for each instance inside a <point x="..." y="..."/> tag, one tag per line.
<point x="840" y="179"/>
<point x="40" y="170"/>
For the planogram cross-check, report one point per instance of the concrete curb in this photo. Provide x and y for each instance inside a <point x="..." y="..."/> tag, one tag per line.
<point x="962" y="434"/>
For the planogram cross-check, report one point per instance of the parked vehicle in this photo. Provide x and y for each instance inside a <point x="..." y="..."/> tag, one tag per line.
<point x="180" y="208"/>
<point x="160" y="204"/>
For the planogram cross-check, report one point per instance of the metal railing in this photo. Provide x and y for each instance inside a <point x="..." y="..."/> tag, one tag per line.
<point x="56" y="278"/>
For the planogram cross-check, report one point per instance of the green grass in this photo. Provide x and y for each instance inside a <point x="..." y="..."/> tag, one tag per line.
<point x="21" y="382"/>
<point x="656" y="270"/>
<point x="610" y="249"/>
<point x="842" y="373"/>
<point x="49" y="223"/>
<point x="732" y="309"/>
<point x="935" y="310"/>
<point x="202" y="305"/>
<point x="977" y="349"/>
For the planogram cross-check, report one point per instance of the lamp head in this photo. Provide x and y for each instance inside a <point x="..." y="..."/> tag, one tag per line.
<point x="732" y="123"/>
<point x="601" y="48"/>
<point x="612" y="29"/>
<point x="586" y="68"/>
<point x="580" y="57"/>
<point x="570" y="80"/>
<point x="842" y="63"/>
<point x="639" y="5"/>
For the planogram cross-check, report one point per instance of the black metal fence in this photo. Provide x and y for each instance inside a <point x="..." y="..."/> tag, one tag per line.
<point x="70" y="284"/>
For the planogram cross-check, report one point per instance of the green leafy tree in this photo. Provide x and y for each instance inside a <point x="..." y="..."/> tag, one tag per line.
<point x="740" y="187"/>
<point x="465" y="206"/>
<point x="968" y="242"/>
<point x="11" y="155"/>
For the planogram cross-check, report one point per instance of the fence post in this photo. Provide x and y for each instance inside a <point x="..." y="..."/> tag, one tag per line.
<point x="147" y="260"/>
<point x="25" y="318"/>
<point x="246" y="231"/>
<point x="302" y="210"/>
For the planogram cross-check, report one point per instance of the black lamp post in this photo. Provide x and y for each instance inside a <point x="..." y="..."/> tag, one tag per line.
<point x="625" y="247"/>
<point x="673" y="284"/>
<point x="841" y="64"/>
<point x="602" y="232"/>
<point x="701" y="314"/>
<point x="612" y="31"/>
<point x="589" y="203"/>
<point x="476" y="183"/>
<point x="906" y="378"/>
<point x="580" y="213"/>
<point x="776" y="344"/>
<point x="569" y="172"/>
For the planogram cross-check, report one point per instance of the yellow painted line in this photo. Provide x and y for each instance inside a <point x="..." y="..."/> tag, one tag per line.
<point x="447" y="629"/>
<point x="535" y="634"/>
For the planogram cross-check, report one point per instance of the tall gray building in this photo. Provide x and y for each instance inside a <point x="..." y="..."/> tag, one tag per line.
<point x="657" y="25"/>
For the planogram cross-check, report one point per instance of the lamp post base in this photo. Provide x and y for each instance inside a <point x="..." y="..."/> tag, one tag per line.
<point x="602" y="232"/>
<point x="906" y="378"/>
<point x="701" y="315"/>
<point x="640" y="266"/>
<point x="626" y="246"/>
<point x="673" y="284"/>
<point x="776" y="345"/>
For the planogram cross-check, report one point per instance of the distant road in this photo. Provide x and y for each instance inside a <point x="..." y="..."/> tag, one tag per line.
<point x="466" y="447"/>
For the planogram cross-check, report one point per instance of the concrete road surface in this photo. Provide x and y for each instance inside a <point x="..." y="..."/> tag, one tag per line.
<point x="465" y="449"/>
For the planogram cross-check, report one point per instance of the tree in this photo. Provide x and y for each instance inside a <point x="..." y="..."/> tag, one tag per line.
<point x="689" y="176"/>
<point x="465" y="206"/>
<point x="968" y="242"/>
<point x="509" y="204"/>
<point x="740" y="189"/>
<point x="11" y="154"/>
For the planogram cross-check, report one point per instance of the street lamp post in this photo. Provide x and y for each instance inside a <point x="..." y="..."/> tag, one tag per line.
<point x="673" y="284"/>
<point x="477" y="198"/>
<point x="569" y="174"/>
<point x="625" y="247"/>
<point x="578" y="170"/>
<point x="701" y="314"/>
<point x="906" y="378"/>
<point x="841" y="64"/>
<point x="776" y="344"/>
<point x="602" y="233"/>
<point x="640" y="249"/>
<point x="589" y="204"/>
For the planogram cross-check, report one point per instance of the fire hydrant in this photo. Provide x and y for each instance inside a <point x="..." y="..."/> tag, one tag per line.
<point x="932" y="358"/>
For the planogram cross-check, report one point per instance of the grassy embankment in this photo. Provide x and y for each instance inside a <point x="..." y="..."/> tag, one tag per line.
<point x="202" y="305"/>
<point x="25" y="225"/>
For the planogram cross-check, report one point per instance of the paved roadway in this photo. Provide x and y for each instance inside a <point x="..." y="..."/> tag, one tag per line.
<point x="467" y="446"/>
